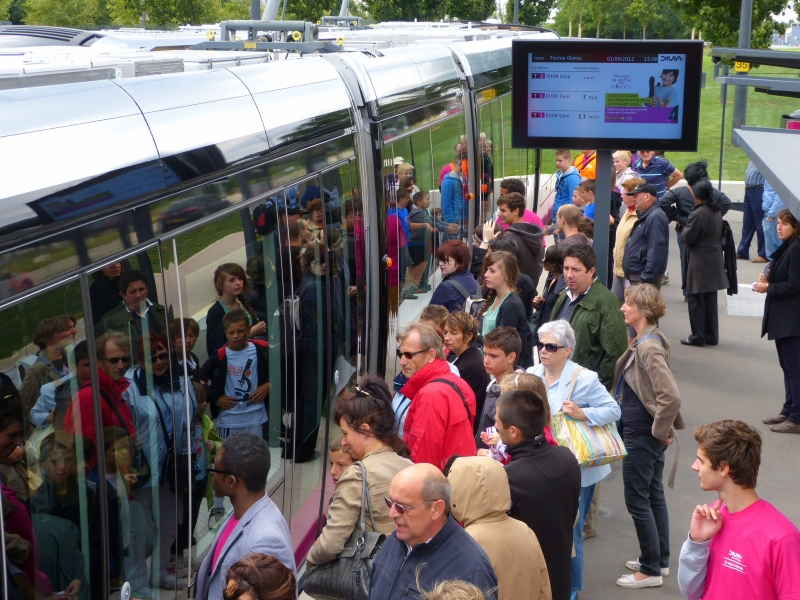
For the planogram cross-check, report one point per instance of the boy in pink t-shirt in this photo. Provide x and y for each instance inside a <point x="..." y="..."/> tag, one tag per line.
<point x="740" y="546"/>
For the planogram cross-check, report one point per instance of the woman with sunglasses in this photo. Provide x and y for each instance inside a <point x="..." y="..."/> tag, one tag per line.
<point x="587" y="400"/>
<point x="366" y="419"/>
<point x="157" y="397"/>
<point x="650" y="402"/>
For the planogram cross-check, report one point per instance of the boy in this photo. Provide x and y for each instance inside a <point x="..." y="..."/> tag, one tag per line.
<point x="567" y="179"/>
<point x="585" y="191"/>
<point x="665" y="94"/>
<point x="421" y="225"/>
<point x="740" y="546"/>
<point x="501" y="347"/>
<point x="339" y="459"/>
<point x="239" y="384"/>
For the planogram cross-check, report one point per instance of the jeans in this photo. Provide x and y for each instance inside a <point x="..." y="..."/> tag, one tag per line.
<point x="789" y="359"/>
<point x="753" y="222"/>
<point x="618" y="287"/>
<point x="771" y="239"/>
<point x="577" y="537"/>
<point x="642" y="471"/>
<point x="682" y="247"/>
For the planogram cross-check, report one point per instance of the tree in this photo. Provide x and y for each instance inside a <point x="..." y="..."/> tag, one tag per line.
<point x="163" y="13"/>
<point x="406" y="10"/>
<point x="311" y="10"/>
<point x="643" y="11"/>
<point x="719" y="20"/>
<point x="598" y="9"/>
<point x="471" y="10"/>
<point x="80" y="14"/>
<point x="531" y="12"/>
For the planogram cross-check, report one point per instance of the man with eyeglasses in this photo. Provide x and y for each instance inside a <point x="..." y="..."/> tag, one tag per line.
<point x="439" y="422"/>
<point x="428" y="546"/>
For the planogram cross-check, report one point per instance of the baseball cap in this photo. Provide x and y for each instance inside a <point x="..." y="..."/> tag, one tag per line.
<point x="643" y="187"/>
<point x="399" y="160"/>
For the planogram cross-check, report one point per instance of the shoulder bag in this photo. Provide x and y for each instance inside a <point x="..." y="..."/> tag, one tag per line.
<point x="178" y="471"/>
<point x="592" y="445"/>
<point x="347" y="576"/>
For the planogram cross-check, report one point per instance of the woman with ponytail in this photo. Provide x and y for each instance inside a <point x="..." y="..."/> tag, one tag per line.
<point x="502" y="306"/>
<point x="366" y="419"/>
<point x="230" y="282"/>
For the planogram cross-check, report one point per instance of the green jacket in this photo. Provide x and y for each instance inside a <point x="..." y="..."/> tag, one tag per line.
<point x="120" y="319"/>
<point x="601" y="335"/>
<point x="210" y="434"/>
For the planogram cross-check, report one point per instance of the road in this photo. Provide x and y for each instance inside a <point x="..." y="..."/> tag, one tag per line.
<point x="739" y="379"/>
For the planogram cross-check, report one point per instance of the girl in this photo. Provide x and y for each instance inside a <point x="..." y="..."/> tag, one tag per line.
<point x="230" y="282"/>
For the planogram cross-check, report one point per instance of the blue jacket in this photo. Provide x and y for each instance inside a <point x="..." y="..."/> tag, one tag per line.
<point x="452" y="198"/>
<point x="771" y="203"/>
<point x="566" y="182"/>
<point x="448" y="296"/>
<point x="451" y="554"/>
<point x="645" y="257"/>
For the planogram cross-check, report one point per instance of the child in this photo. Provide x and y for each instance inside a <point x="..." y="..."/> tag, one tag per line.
<point x="665" y="94"/>
<point x="567" y="180"/>
<point x="419" y="242"/>
<point x="339" y="459"/>
<point x="526" y="381"/>
<point x="239" y="385"/>
<point x="501" y="347"/>
<point x="586" y="190"/>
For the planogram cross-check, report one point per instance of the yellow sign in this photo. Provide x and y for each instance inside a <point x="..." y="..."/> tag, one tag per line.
<point x="741" y="67"/>
<point x="250" y="45"/>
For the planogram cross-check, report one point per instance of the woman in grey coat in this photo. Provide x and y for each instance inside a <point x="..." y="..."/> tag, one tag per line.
<point x="705" y="270"/>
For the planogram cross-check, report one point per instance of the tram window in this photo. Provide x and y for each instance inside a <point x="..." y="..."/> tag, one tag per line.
<point x="422" y="159"/>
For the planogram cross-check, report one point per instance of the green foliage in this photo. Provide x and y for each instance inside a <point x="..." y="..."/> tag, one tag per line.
<point x="471" y="10"/>
<point x="531" y="12"/>
<point x="164" y="13"/>
<point x="310" y="10"/>
<point x="231" y="10"/>
<point x="80" y="14"/>
<point x="719" y="20"/>
<point x="406" y="10"/>
<point x="16" y="12"/>
<point x="618" y="21"/>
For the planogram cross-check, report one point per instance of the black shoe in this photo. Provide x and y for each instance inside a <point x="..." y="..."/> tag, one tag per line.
<point x="692" y="342"/>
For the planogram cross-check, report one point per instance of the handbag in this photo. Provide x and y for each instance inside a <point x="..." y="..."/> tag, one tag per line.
<point x="175" y="467"/>
<point x="347" y="576"/>
<point x="592" y="445"/>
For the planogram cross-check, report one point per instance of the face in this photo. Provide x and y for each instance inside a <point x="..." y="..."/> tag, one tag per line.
<point x="577" y="277"/>
<point x="237" y="333"/>
<point x="116" y="361"/>
<point x="505" y="433"/>
<point x="642" y="201"/>
<point x="455" y="341"/>
<point x="587" y="197"/>
<point x="232" y="285"/>
<point x="577" y="198"/>
<point x="449" y="266"/>
<point x="410" y="366"/>
<point x="60" y="464"/>
<point x="667" y="78"/>
<point x="187" y="342"/>
<point x="318" y="268"/>
<point x="425" y="202"/>
<point x="112" y="270"/>
<point x="65" y="337"/>
<point x="631" y="313"/>
<point x="494" y="278"/>
<point x="355" y="441"/>
<point x="628" y="200"/>
<point x="202" y="403"/>
<point x="118" y="453"/>
<point x="159" y="360"/>
<point x="563" y="163"/>
<point x="218" y="480"/>
<point x="496" y="362"/>
<point x="404" y="172"/>
<point x="350" y="223"/>
<point x="10" y="438"/>
<point x="339" y="461"/>
<point x="552" y="359"/>
<point x="82" y="370"/>
<point x="710" y="479"/>
<point x="414" y="526"/>
<point x="506" y="215"/>
<point x="785" y="230"/>
<point x="620" y="164"/>
<point x="135" y="295"/>
<point x="646" y="155"/>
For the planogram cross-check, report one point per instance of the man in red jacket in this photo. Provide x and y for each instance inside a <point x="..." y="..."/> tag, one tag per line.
<point x="439" y="422"/>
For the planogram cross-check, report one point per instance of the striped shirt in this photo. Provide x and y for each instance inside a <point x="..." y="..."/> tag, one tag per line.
<point x="753" y="177"/>
<point x="656" y="173"/>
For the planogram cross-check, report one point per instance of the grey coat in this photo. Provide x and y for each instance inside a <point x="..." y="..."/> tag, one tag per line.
<point x="261" y="529"/>
<point x="705" y="269"/>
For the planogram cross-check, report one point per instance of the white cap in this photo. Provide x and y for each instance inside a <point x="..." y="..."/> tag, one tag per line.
<point x="399" y="160"/>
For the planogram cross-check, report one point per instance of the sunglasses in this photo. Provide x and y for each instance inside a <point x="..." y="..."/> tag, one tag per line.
<point x="398" y="507"/>
<point x="212" y="470"/>
<point x="162" y="357"/>
<point x="409" y="355"/>
<point x="549" y="347"/>
<point x="117" y="359"/>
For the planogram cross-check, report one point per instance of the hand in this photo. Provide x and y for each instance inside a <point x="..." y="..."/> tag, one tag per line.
<point x="131" y="478"/>
<point x="761" y="286"/>
<point x="706" y="521"/>
<point x="490" y="440"/>
<point x="488" y="231"/>
<point x="762" y="278"/>
<point x="49" y="418"/>
<point x="210" y="446"/>
<point x="573" y="410"/>
<point x="17" y="455"/>
<point x="431" y="228"/>
<point x="226" y="402"/>
<point x="538" y="301"/>
<point x="258" y="329"/>
<point x="483" y="452"/>
<point x="666" y="442"/>
<point x="352" y="291"/>
<point x="452" y="228"/>
<point x="259" y="395"/>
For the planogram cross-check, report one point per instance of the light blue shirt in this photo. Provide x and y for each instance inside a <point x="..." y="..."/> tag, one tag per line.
<point x="771" y="203"/>
<point x="597" y="404"/>
<point x="47" y="399"/>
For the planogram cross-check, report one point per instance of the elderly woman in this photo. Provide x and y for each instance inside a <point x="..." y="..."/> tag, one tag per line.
<point x="368" y="432"/>
<point x="460" y="334"/>
<point x="705" y="270"/>
<point x="622" y="168"/>
<point x="579" y="393"/>
<point x="650" y="403"/>
<point x="782" y="318"/>
<point x="626" y="222"/>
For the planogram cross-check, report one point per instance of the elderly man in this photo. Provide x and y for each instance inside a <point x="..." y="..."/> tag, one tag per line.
<point x="439" y="422"/>
<point x="428" y="546"/>
<point x="645" y="259"/>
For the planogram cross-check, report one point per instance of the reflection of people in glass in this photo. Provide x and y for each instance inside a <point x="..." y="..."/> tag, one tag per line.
<point x="59" y="393"/>
<point x="664" y="94"/>
<point x="230" y="281"/>
<point x="453" y="199"/>
<point x="104" y="291"/>
<point x="183" y="341"/>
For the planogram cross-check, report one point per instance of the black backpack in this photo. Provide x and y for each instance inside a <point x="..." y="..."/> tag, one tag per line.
<point x="473" y="303"/>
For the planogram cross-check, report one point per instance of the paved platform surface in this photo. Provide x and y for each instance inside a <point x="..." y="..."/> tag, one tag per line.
<point x="738" y="379"/>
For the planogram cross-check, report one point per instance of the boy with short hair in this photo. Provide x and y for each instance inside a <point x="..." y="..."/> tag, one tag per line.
<point x="501" y="348"/>
<point x="421" y="226"/>
<point x="586" y="190"/>
<point x="740" y="546"/>
<point x="339" y="459"/>
<point x="567" y="179"/>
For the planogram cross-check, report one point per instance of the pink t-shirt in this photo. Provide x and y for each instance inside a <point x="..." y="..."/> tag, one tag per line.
<point x="756" y="554"/>
<point x="226" y="533"/>
<point x="528" y="217"/>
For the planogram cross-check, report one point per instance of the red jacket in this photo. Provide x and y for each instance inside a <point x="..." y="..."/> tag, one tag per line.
<point x="111" y="391"/>
<point x="437" y="426"/>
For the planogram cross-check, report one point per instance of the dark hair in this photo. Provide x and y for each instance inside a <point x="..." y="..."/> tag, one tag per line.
<point x="10" y="407"/>
<point x="786" y="216"/>
<point x="247" y="458"/>
<point x="129" y="277"/>
<point x="674" y="73"/>
<point x="732" y="443"/>
<point x="405" y="181"/>
<point x="371" y="404"/>
<point x="505" y="338"/>
<point x="113" y="434"/>
<point x="401" y="193"/>
<point x="458" y="251"/>
<point x="436" y="313"/>
<point x="188" y="325"/>
<point x="504" y="244"/>
<point x="703" y="190"/>
<point x="80" y="352"/>
<point x="554" y="257"/>
<point x="584" y="253"/>
<point x="514" y="201"/>
<point x="154" y="340"/>
<point x="524" y="409"/>
<point x="586" y="226"/>
<point x="695" y="171"/>
<point x="56" y="441"/>
<point x="265" y="577"/>
<point x="47" y="328"/>
<point x="587" y="185"/>
<point x="511" y="184"/>
<point x="419" y="197"/>
<point x="225" y="269"/>
<point x="234" y="316"/>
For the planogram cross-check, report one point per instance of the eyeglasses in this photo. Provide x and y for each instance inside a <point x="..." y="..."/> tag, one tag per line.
<point x="117" y="359"/>
<point x="549" y="347"/>
<point x="162" y="357"/>
<point x="409" y="355"/>
<point x="212" y="470"/>
<point x="398" y="507"/>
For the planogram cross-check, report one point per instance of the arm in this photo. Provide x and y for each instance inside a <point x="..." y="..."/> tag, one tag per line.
<point x="486" y="581"/>
<point x="723" y="201"/>
<point x="447" y="200"/>
<point x="675" y="178"/>
<point x="597" y="404"/>
<point x="657" y="243"/>
<point x="791" y="287"/>
<point x="342" y="518"/>
<point x="692" y="230"/>
<point x="613" y="341"/>
<point x="668" y="398"/>
<point x="42" y="410"/>
<point x="667" y="204"/>
<point x="425" y="429"/>
<point x="692" y="569"/>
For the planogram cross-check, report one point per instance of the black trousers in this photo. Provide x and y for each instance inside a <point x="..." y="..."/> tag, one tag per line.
<point x="704" y="318"/>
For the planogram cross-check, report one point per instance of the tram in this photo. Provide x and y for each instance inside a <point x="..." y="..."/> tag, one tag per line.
<point x="164" y="174"/>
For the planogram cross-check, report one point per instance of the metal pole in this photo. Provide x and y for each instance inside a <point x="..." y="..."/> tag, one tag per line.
<point x="345" y="8"/>
<point x="722" y="135"/>
<point x="255" y="9"/>
<point x="270" y="10"/>
<point x="602" y="213"/>
<point x="740" y="97"/>
<point x="538" y="164"/>
<point x="516" y="12"/>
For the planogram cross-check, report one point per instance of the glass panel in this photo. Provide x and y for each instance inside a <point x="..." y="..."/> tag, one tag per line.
<point x="488" y="134"/>
<point x="47" y="464"/>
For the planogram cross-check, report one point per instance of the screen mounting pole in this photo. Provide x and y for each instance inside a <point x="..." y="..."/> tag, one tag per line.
<point x="602" y="212"/>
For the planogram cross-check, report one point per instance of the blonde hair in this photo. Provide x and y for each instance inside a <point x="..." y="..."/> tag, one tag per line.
<point x="648" y="300"/>
<point x="526" y="381"/>
<point x="623" y="154"/>
<point x="453" y="590"/>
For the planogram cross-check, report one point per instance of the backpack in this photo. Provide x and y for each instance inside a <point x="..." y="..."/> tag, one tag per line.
<point x="473" y="303"/>
<point x="286" y="327"/>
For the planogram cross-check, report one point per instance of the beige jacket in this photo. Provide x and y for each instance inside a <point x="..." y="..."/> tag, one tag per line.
<point x="623" y="233"/>
<point x="344" y="511"/>
<point x="480" y="500"/>
<point x="646" y="368"/>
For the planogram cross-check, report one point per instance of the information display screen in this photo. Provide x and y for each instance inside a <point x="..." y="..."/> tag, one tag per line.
<point x="606" y="95"/>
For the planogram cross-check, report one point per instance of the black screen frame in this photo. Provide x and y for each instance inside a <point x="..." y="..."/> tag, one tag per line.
<point x="688" y="141"/>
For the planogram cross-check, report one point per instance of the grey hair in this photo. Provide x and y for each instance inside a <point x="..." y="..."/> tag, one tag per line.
<point x="561" y="330"/>
<point x="428" y="338"/>
<point x="436" y="487"/>
<point x="119" y="338"/>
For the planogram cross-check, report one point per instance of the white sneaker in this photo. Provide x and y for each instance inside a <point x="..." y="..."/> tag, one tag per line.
<point x="628" y="581"/>
<point x="634" y="565"/>
<point x="143" y="593"/>
<point x="170" y="582"/>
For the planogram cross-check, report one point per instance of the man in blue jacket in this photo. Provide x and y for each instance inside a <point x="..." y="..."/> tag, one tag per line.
<point x="567" y="179"/>
<point x="645" y="259"/>
<point x="428" y="546"/>
<point x="771" y="204"/>
<point x="453" y="200"/>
